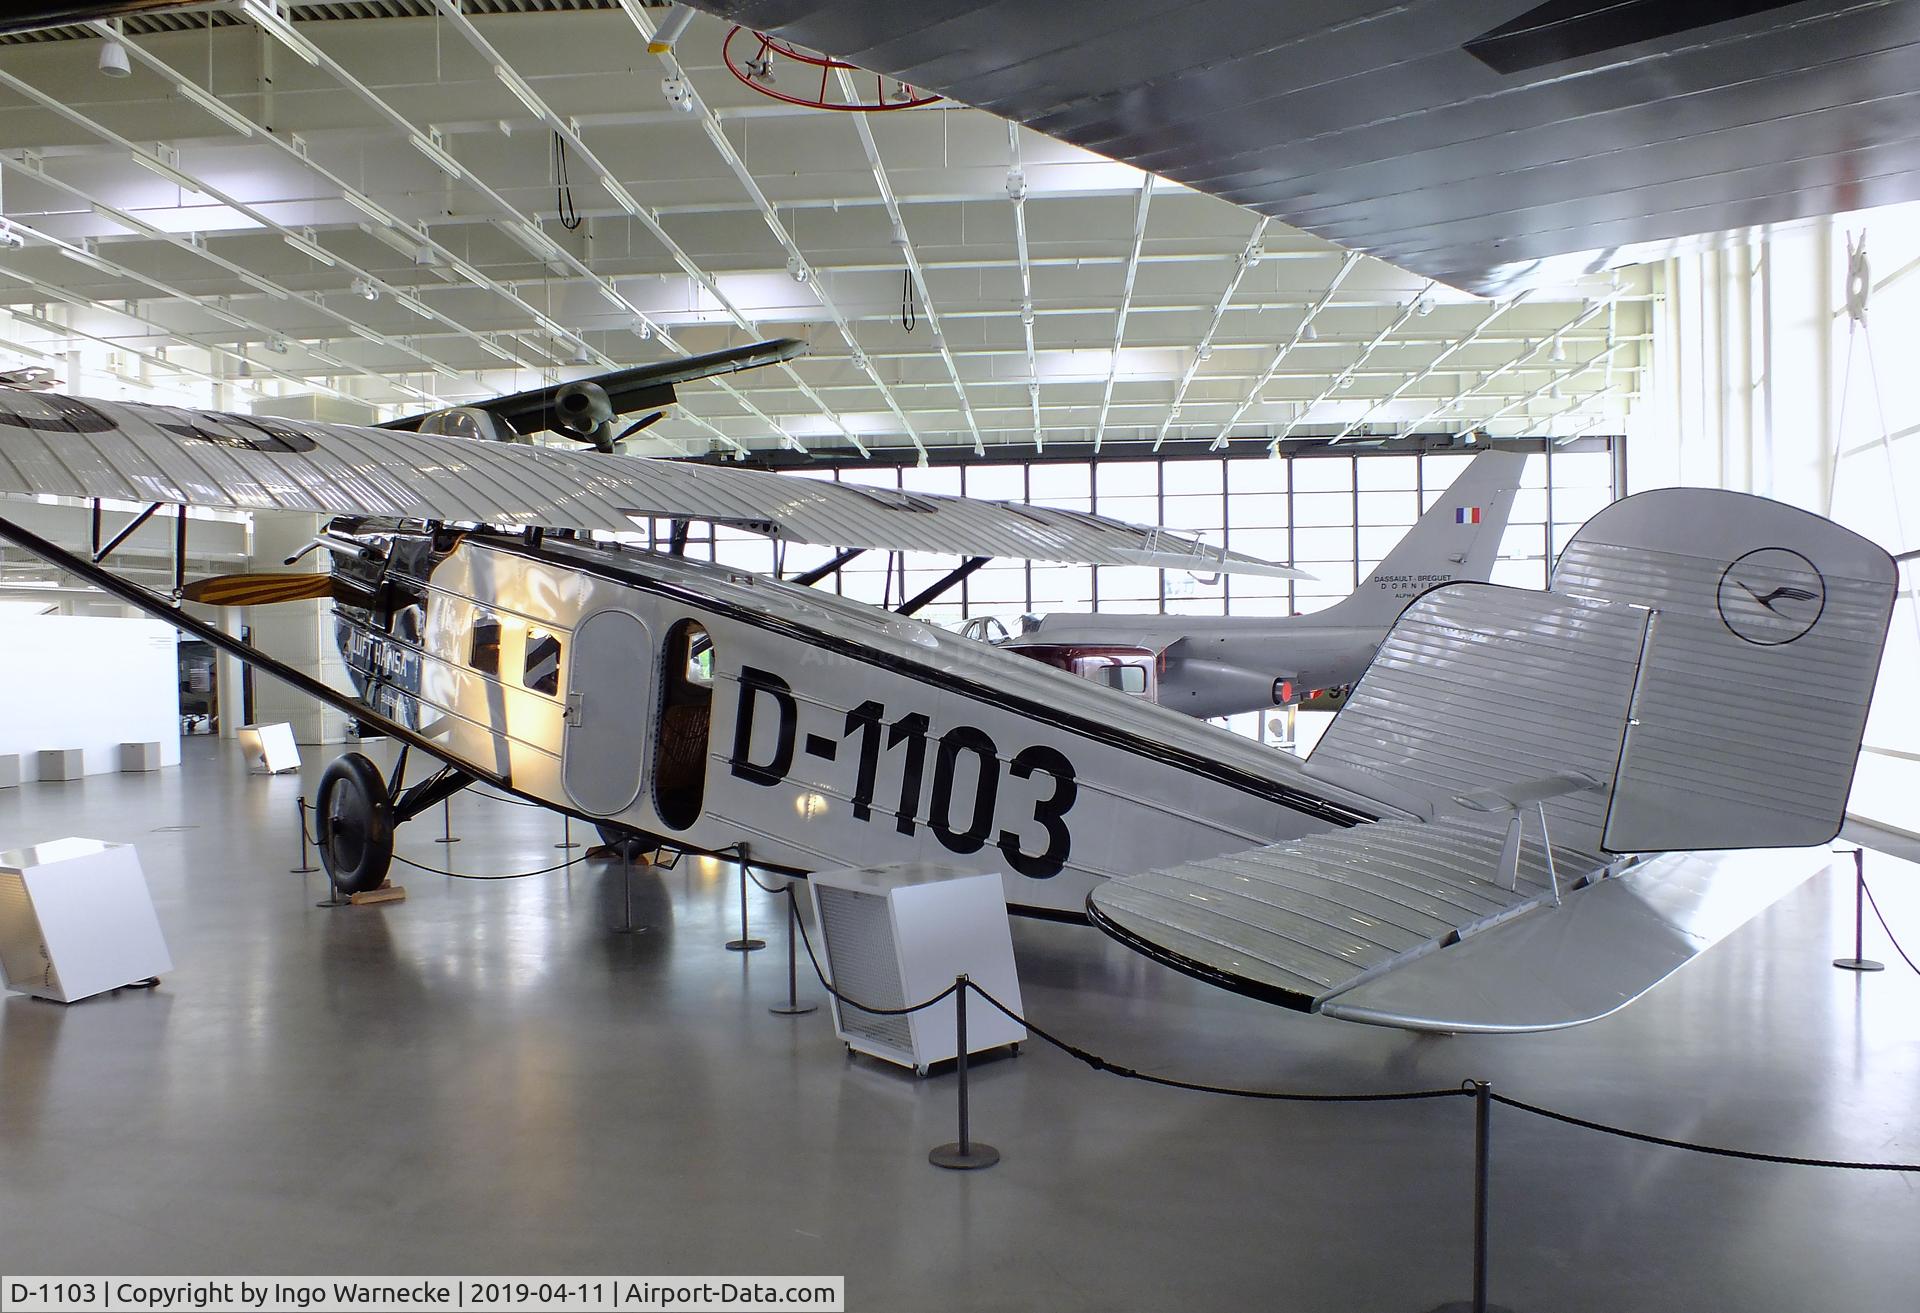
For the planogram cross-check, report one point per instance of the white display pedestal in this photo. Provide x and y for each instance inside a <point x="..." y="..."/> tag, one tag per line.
<point x="896" y="935"/>
<point x="270" y="749"/>
<point x="139" y="757"/>
<point x="76" y="920"/>
<point x="62" y="764"/>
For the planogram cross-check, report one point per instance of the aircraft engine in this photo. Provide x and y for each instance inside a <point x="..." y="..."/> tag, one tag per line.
<point x="583" y="412"/>
<point x="1202" y="686"/>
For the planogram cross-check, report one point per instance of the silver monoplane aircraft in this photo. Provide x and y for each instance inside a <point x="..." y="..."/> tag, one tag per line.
<point x="1637" y="706"/>
<point x="1212" y="666"/>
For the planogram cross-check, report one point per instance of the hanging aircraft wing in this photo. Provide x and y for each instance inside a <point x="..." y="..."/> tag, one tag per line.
<point x="640" y="388"/>
<point x="69" y="447"/>
<point x="1489" y="145"/>
<point x="1697" y="678"/>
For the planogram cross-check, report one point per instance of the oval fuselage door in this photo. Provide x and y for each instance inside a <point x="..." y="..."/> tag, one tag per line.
<point x="609" y="697"/>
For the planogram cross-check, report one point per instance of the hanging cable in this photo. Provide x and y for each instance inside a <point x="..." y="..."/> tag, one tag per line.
<point x="1880" y="916"/>
<point x="569" y="214"/>
<point x="907" y="316"/>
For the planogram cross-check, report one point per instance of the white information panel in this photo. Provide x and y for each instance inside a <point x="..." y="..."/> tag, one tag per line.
<point x="76" y="920"/>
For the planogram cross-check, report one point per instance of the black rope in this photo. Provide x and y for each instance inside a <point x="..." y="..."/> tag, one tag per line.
<point x="1717" y="1152"/>
<point x="907" y="316"/>
<point x="1881" y="918"/>
<point x="457" y="875"/>
<point x="1279" y="1096"/>
<point x="567" y="212"/>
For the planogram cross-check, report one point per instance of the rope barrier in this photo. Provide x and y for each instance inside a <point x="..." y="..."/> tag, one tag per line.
<point x="1881" y="918"/>
<point x="1661" y="1140"/>
<point x="458" y="875"/>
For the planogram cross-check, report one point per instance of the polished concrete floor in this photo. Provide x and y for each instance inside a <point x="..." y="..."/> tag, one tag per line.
<point x="484" y="1079"/>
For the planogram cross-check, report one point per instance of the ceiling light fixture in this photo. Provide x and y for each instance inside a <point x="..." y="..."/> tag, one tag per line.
<point x="1309" y="333"/>
<point x="308" y="247"/>
<point x="210" y="104"/>
<point x="164" y="170"/>
<point x="797" y="269"/>
<point x="113" y="59"/>
<point x="432" y="150"/>
<point x="379" y="214"/>
<point x="275" y="24"/>
<point x="678" y="94"/>
<point x="366" y="288"/>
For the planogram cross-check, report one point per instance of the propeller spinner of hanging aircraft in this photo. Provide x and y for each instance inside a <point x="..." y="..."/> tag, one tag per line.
<point x="1403" y="874"/>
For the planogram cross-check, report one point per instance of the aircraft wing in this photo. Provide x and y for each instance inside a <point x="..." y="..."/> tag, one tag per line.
<point x="70" y="447"/>
<point x="1488" y="145"/>
<point x="640" y="387"/>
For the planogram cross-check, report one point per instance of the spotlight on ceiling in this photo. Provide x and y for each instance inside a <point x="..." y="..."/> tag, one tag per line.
<point x="113" y="59"/>
<point x="1426" y="306"/>
<point x="1310" y="333"/>
<point x="9" y="239"/>
<point x="678" y="93"/>
<point x="366" y="289"/>
<point x="797" y="269"/>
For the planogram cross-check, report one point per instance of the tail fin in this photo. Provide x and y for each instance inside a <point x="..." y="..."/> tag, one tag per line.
<point x="1454" y="542"/>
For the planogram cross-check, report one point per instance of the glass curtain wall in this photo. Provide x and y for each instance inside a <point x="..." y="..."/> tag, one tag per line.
<point x="1335" y="516"/>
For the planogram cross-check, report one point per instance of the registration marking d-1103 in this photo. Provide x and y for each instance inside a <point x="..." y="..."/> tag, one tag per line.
<point x="873" y="734"/>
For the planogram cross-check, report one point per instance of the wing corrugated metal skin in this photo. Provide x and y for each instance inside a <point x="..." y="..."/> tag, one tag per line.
<point x="1479" y="686"/>
<point x="1593" y="134"/>
<point x="1749" y="716"/>
<point x="70" y="447"/>
<point x="1298" y="922"/>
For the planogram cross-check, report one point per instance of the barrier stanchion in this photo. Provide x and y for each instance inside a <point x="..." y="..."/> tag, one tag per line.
<point x="965" y="1153"/>
<point x="566" y="843"/>
<point x="793" y="1007"/>
<point x="745" y="943"/>
<point x="446" y="822"/>
<point x="1859" y="962"/>
<point x="306" y="866"/>
<point x="1482" y="1157"/>
<point x="626" y="890"/>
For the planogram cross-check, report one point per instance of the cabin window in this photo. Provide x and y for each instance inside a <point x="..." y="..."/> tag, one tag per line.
<point x="485" y="654"/>
<point x="686" y="716"/>
<point x="542" y="670"/>
<point x="1128" y="679"/>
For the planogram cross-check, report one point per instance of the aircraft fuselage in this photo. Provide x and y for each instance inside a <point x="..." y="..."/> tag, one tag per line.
<point x="713" y="707"/>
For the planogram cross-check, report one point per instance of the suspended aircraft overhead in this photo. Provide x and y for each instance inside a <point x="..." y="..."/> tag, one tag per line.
<point x="1488" y="145"/>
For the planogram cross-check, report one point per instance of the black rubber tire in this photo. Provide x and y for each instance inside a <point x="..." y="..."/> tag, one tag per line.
<point x="636" y="843"/>
<point x="356" y="824"/>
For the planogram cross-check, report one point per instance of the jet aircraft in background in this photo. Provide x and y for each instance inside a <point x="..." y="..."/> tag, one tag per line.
<point x="1210" y="666"/>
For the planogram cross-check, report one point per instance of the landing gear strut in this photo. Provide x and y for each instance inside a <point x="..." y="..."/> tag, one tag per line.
<point x="357" y="812"/>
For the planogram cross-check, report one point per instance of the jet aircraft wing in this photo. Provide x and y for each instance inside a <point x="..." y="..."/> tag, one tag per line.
<point x="69" y="447"/>
<point x="1490" y="145"/>
<point x="628" y="390"/>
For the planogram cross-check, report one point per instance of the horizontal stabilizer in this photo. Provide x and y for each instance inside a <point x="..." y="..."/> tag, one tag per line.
<point x="1610" y="943"/>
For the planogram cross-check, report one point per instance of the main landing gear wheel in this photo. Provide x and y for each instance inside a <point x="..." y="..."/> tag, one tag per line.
<point x="622" y="842"/>
<point x="356" y="824"/>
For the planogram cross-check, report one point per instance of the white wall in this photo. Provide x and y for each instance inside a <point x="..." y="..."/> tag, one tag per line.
<point x="87" y="682"/>
<point x="1753" y="390"/>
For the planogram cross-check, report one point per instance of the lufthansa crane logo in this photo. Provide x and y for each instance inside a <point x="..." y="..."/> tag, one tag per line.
<point x="1772" y="596"/>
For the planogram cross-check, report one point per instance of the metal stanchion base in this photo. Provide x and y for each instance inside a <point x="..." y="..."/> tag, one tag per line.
<point x="974" y="1157"/>
<point x="1467" y="1306"/>
<point x="449" y="839"/>
<point x="629" y="930"/>
<point x="1859" y="964"/>
<point x="746" y="945"/>
<point x="793" y="1009"/>
<point x="301" y="870"/>
<point x="564" y="846"/>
